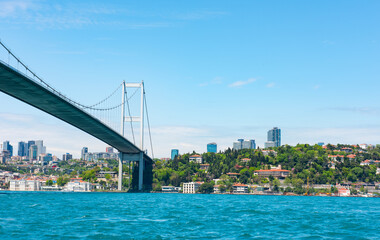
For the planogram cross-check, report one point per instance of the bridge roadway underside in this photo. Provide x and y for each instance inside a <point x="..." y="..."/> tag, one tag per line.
<point x="19" y="86"/>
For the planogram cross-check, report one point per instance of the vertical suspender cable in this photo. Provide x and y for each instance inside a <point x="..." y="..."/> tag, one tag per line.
<point x="147" y="117"/>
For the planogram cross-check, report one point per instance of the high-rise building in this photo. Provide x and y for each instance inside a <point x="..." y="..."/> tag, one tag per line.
<point x="269" y="144"/>
<point x="274" y="135"/>
<point x="30" y="143"/>
<point x="67" y="156"/>
<point x="33" y="153"/>
<point x="22" y="149"/>
<point x="84" y="152"/>
<point x="212" y="147"/>
<point x="40" y="147"/>
<point x="175" y="153"/>
<point x="244" y="144"/>
<point x="109" y="149"/>
<point x="8" y="147"/>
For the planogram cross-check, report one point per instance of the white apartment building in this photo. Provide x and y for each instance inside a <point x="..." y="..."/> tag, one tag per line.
<point x="24" y="185"/>
<point x="191" y="187"/>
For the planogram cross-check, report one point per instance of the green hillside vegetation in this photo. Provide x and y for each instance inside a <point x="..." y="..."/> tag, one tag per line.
<point x="306" y="163"/>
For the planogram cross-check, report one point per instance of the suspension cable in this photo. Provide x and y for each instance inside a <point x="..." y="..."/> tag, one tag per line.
<point x="130" y="116"/>
<point x="150" y="135"/>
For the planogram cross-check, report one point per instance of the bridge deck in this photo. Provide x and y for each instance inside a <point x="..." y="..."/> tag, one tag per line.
<point x="17" y="85"/>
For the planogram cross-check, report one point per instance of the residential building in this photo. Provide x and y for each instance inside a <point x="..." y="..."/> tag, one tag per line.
<point x="212" y="148"/>
<point x="96" y="156"/>
<point x="278" y="173"/>
<point x="45" y="158"/>
<point x="196" y="158"/>
<point x="84" y="152"/>
<point x="174" y="153"/>
<point x="269" y="152"/>
<point x="22" y="149"/>
<point x="204" y="166"/>
<point x="191" y="187"/>
<point x="240" y="188"/>
<point x="274" y="135"/>
<point x="245" y="160"/>
<point x="67" y="156"/>
<point x="24" y="185"/>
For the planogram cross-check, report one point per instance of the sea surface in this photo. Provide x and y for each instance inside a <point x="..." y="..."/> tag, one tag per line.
<point x="47" y="215"/>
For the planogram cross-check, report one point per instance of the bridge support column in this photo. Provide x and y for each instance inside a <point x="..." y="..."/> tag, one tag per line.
<point x="141" y="171"/>
<point x="120" y="177"/>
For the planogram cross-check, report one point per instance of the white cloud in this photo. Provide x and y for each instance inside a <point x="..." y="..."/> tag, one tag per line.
<point x="8" y="8"/>
<point x="242" y="83"/>
<point x="270" y="85"/>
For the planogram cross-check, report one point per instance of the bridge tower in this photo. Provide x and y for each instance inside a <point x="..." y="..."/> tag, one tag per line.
<point x="140" y="119"/>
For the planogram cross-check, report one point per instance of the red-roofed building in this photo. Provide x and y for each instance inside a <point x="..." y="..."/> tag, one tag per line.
<point x="196" y="158"/>
<point x="245" y="160"/>
<point x="344" y="192"/>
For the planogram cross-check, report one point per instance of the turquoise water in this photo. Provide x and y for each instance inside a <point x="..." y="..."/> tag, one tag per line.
<point x="179" y="216"/>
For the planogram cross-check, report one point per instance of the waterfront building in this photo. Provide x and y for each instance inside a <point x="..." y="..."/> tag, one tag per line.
<point x="78" y="185"/>
<point x="196" y="158"/>
<point x="278" y="173"/>
<point x="33" y="153"/>
<point x="24" y="185"/>
<point x="170" y="189"/>
<point x="22" y="149"/>
<point x="191" y="187"/>
<point x="344" y="192"/>
<point x="269" y="144"/>
<point x="8" y="147"/>
<point x="174" y="153"/>
<point x="274" y="135"/>
<point x="212" y="147"/>
<point x="67" y="156"/>
<point x="240" y="188"/>
<point x="83" y="153"/>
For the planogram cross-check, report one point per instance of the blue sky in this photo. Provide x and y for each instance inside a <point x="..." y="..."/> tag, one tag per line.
<point x="214" y="71"/>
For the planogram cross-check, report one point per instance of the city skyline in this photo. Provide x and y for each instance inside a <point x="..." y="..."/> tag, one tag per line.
<point x="315" y="84"/>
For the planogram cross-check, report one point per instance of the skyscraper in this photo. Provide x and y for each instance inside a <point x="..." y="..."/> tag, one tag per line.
<point x="33" y="150"/>
<point x="175" y="153"/>
<point x="30" y="143"/>
<point x="212" y="147"/>
<point x="274" y="135"/>
<point x="40" y="147"/>
<point x="84" y="152"/>
<point x="67" y="156"/>
<point x="22" y="149"/>
<point x="8" y="147"/>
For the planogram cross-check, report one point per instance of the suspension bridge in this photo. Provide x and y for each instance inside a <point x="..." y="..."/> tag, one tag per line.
<point x="105" y="120"/>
